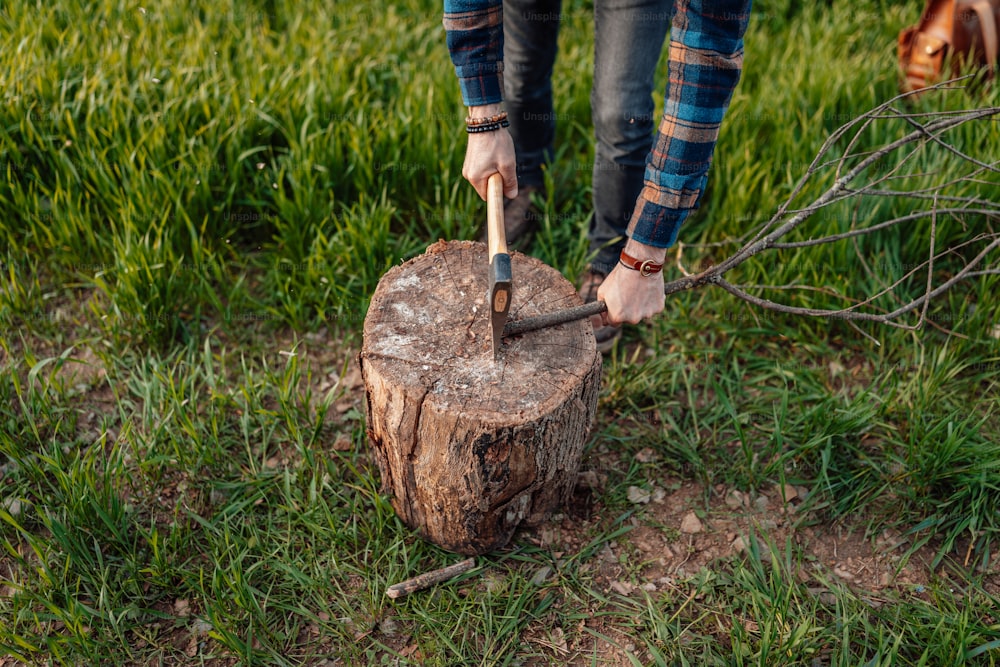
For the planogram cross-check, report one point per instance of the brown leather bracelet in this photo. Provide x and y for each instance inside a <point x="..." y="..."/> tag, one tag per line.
<point x="645" y="267"/>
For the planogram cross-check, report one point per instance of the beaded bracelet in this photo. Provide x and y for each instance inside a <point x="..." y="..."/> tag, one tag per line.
<point x="491" y="127"/>
<point x="475" y="122"/>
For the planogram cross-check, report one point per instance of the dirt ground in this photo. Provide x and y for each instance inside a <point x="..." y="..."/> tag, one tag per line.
<point x="680" y="528"/>
<point x="675" y="533"/>
<point x="693" y="535"/>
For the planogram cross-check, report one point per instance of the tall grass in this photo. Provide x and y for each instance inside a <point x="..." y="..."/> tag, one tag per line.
<point x="198" y="200"/>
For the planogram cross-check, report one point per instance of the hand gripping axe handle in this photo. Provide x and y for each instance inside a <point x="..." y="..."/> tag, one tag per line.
<point x="500" y="276"/>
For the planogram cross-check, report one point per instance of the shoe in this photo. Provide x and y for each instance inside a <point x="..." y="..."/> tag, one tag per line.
<point x="606" y="334"/>
<point x="520" y="219"/>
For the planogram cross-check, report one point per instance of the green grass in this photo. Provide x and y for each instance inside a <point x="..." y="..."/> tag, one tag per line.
<point x="198" y="201"/>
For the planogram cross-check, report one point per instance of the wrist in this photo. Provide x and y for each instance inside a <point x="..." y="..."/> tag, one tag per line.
<point x="489" y="122"/>
<point x="645" y="252"/>
<point x="485" y="110"/>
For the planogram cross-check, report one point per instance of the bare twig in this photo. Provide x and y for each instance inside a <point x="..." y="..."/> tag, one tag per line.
<point x="428" y="579"/>
<point x="883" y="225"/>
<point x="850" y="314"/>
<point x="680" y="265"/>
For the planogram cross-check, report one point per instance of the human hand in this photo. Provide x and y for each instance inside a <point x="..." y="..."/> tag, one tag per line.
<point x="630" y="296"/>
<point x="488" y="153"/>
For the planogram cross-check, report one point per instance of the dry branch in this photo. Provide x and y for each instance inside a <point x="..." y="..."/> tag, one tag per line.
<point x="929" y="130"/>
<point x="428" y="579"/>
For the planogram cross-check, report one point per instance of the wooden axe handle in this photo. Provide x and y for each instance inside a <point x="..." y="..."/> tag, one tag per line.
<point x="494" y="216"/>
<point x="517" y="327"/>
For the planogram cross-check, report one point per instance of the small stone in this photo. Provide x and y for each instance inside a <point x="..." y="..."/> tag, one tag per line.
<point x="741" y="545"/>
<point x="638" y="495"/>
<point x="760" y="503"/>
<point x="342" y="444"/>
<point x="649" y="587"/>
<point x="182" y="607"/>
<point x="14" y="506"/>
<point x="549" y="535"/>
<point x="645" y="455"/>
<point x="541" y="574"/>
<point x="734" y="500"/>
<point x="622" y="587"/>
<point x="691" y="524"/>
<point x="843" y="574"/>
<point x="659" y="495"/>
<point x="786" y="492"/>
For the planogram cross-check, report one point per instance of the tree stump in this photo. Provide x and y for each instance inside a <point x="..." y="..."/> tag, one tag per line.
<point x="469" y="448"/>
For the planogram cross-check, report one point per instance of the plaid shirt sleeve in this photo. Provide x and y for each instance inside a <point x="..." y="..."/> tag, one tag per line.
<point x="705" y="61"/>
<point x="474" y="33"/>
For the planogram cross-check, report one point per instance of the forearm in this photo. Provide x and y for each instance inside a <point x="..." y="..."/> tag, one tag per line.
<point x="705" y="62"/>
<point x="474" y="31"/>
<point x="474" y="34"/>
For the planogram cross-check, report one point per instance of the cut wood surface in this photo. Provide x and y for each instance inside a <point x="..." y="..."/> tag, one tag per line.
<point x="468" y="447"/>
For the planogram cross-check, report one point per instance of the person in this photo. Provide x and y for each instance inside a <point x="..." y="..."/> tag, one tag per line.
<point x="645" y="183"/>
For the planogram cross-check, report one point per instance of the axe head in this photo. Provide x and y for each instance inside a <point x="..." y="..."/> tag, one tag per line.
<point x="499" y="297"/>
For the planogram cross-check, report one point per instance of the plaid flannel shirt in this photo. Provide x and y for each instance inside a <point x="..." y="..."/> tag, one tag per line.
<point x="474" y="30"/>
<point x="705" y="62"/>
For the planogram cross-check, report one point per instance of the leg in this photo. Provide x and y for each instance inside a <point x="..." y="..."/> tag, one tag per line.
<point x="628" y="41"/>
<point x="531" y="29"/>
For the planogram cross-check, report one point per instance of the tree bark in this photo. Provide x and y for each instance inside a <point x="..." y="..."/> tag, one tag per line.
<point x="470" y="447"/>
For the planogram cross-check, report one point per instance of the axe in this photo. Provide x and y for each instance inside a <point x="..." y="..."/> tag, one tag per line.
<point x="500" y="277"/>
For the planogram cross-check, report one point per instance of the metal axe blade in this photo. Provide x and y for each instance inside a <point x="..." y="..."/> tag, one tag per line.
<point x="500" y="289"/>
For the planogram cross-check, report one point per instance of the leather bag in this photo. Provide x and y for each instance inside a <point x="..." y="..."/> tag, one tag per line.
<point x="965" y="30"/>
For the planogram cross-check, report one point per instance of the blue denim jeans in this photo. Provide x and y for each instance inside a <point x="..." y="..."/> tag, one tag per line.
<point x="628" y="41"/>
